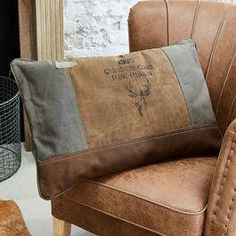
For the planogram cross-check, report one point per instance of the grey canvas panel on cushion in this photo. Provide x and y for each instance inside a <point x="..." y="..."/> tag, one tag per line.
<point x="86" y="112"/>
<point x="52" y="109"/>
<point x="187" y="72"/>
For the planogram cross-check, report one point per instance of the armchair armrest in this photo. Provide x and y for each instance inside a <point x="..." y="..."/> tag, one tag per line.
<point x="221" y="213"/>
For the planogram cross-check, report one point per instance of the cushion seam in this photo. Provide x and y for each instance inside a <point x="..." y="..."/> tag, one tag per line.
<point x="181" y="88"/>
<point x="112" y="215"/>
<point x="150" y="201"/>
<point x="143" y="139"/>
<point x="79" y="123"/>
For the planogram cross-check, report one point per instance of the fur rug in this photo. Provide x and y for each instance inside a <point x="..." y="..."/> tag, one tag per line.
<point x="11" y="220"/>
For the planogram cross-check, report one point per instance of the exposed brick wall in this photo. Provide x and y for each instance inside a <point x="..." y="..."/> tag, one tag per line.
<point x="97" y="27"/>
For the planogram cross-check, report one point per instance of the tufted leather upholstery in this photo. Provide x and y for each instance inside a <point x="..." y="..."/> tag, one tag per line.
<point x="171" y="198"/>
<point x="221" y="217"/>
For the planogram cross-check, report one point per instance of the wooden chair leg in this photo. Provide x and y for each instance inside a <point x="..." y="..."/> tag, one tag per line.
<point x="61" y="228"/>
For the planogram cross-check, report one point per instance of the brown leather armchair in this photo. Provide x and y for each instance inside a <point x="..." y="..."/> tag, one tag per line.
<point x="192" y="196"/>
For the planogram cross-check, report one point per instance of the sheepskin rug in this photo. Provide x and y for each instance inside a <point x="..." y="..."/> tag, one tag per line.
<point x="11" y="220"/>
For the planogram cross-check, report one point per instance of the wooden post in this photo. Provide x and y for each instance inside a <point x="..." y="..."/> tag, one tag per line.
<point x="41" y="36"/>
<point x="49" y="29"/>
<point x="27" y="24"/>
<point x="61" y="228"/>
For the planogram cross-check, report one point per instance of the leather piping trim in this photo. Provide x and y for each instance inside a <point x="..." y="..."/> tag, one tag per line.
<point x="221" y="187"/>
<point x="138" y="140"/>
<point x="116" y="217"/>
<point x="231" y="111"/>
<point x="221" y="26"/>
<point x="167" y="22"/>
<point x="156" y="203"/>
<point x="195" y="19"/>
<point x="225" y="81"/>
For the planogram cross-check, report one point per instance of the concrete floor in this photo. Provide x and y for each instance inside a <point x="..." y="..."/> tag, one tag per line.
<point x="22" y="188"/>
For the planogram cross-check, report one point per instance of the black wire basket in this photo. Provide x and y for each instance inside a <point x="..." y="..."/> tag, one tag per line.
<point x="10" y="141"/>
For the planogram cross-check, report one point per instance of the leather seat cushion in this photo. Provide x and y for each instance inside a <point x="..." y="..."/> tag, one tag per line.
<point x="172" y="194"/>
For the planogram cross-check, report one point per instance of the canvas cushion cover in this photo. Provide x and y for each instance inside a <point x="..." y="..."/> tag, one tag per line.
<point x="93" y="116"/>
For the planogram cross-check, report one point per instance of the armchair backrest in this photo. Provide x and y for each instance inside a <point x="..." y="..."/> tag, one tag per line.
<point x="212" y="25"/>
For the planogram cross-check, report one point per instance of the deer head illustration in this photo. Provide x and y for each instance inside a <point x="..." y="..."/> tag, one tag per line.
<point x="139" y="96"/>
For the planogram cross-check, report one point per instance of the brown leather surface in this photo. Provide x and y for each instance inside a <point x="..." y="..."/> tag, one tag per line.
<point x="151" y="197"/>
<point x="96" y="221"/>
<point x="122" y="157"/>
<point x="98" y="92"/>
<point x="151" y="32"/>
<point x="211" y="25"/>
<point x="181" y="28"/>
<point x="221" y="214"/>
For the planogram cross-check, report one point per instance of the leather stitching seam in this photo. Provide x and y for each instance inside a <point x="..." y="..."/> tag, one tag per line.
<point x="195" y="19"/>
<point x="150" y="201"/>
<point x="221" y="25"/>
<point x="219" y="195"/>
<point x="231" y="110"/>
<point x="167" y="22"/>
<point x="127" y="143"/>
<point x="230" y="211"/>
<point x="225" y="81"/>
<point x="232" y="199"/>
<point x="181" y="88"/>
<point x="111" y="215"/>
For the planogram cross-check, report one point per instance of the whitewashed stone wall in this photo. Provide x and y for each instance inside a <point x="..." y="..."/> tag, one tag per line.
<point x="97" y="27"/>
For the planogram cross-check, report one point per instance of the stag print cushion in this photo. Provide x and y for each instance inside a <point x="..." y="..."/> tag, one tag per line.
<point x="93" y="116"/>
